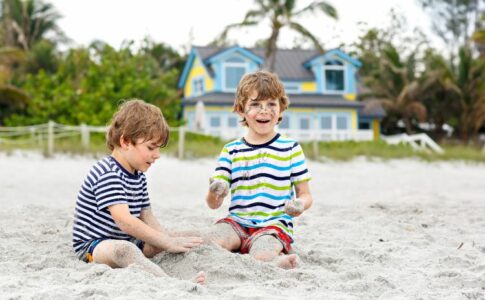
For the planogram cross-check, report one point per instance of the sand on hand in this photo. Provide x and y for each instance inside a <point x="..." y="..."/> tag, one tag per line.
<point x="400" y="229"/>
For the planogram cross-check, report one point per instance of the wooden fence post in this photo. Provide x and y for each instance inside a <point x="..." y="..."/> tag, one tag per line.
<point x="181" y="142"/>
<point x="315" y="140"/>
<point x="50" y="138"/>
<point x="85" y="137"/>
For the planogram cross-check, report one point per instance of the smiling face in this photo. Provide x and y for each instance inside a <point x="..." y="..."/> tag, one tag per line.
<point x="261" y="117"/>
<point x="139" y="156"/>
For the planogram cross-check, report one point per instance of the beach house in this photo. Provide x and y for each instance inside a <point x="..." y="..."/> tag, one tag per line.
<point x="322" y="88"/>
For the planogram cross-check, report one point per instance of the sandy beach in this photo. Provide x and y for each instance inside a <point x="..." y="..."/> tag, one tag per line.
<point x="399" y="229"/>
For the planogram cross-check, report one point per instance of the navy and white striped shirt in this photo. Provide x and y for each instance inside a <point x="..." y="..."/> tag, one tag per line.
<point x="106" y="184"/>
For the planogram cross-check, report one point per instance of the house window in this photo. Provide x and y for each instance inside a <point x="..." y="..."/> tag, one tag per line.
<point x="364" y="125"/>
<point x="291" y="88"/>
<point x="198" y="86"/>
<point x="285" y="123"/>
<point x="342" y="123"/>
<point x="234" y="69"/>
<point x="215" y="121"/>
<point x="334" y="74"/>
<point x="232" y="122"/>
<point x="304" y="123"/>
<point x="326" y="122"/>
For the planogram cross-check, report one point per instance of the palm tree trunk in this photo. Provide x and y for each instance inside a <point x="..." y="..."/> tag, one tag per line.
<point x="409" y="128"/>
<point x="271" y="50"/>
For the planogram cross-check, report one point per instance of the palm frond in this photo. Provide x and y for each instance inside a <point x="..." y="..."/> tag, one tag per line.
<point x="304" y="32"/>
<point x="322" y="6"/>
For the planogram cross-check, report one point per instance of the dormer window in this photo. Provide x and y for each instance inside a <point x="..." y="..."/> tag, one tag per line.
<point x="334" y="76"/>
<point x="234" y="68"/>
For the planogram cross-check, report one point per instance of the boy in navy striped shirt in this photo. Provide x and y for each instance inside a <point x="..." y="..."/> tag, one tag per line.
<point x="113" y="222"/>
<point x="266" y="175"/>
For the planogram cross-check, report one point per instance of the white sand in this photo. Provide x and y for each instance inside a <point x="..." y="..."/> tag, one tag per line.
<point x="391" y="230"/>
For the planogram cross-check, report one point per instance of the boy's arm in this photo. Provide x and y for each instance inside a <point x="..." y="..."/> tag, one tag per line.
<point x="302" y="202"/>
<point x="146" y="215"/>
<point x="138" y="229"/>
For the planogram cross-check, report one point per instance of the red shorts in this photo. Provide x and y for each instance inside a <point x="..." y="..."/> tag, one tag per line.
<point x="249" y="234"/>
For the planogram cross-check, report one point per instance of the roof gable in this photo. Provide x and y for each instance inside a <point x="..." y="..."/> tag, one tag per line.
<point x="232" y="50"/>
<point x="330" y="54"/>
<point x="187" y="67"/>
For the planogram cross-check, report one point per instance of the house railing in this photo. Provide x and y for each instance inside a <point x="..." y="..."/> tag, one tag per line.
<point x="419" y="141"/>
<point x="300" y="135"/>
<point x="329" y="135"/>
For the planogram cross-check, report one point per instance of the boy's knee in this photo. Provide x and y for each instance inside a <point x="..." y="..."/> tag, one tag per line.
<point x="125" y="250"/>
<point x="265" y="247"/>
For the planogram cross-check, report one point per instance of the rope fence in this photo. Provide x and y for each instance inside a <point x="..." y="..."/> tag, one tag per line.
<point x="47" y="134"/>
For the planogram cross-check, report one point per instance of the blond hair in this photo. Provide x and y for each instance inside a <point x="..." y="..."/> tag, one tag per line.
<point x="266" y="84"/>
<point x="137" y="119"/>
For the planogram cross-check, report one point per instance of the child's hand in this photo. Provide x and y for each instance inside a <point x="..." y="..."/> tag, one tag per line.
<point x="294" y="207"/>
<point x="219" y="188"/>
<point x="182" y="244"/>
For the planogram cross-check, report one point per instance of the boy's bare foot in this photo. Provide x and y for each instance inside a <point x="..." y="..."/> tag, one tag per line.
<point x="289" y="261"/>
<point x="199" y="278"/>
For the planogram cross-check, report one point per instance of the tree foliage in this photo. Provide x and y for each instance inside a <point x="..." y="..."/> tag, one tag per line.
<point x="89" y="83"/>
<point x="454" y="21"/>
<point x="25" y="22"/>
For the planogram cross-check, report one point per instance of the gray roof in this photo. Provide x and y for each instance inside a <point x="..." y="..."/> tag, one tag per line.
<point x="372" y="109"/>
<point x="288" y="65"/>
<point x="304" y="100"/>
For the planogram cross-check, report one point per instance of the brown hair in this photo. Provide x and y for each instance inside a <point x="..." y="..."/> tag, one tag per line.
<point x="267" y="85"/>
<point x="137" y="119"/>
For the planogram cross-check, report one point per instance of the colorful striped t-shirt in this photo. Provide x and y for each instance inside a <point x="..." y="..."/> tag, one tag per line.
<point x="262" y="179"/>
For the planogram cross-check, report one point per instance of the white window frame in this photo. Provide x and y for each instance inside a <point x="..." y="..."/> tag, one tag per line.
<point x="229" y="123"/>
<point x="226" y="65"/>
<point x="347" y="119"/>
<point x="288" y="119"/>
<point x="195" y="83"/>
<point x="332" y="117"/>
<point x="309" y="119"/>
<point x="292" y="87"/>
<point x="336" y="68"/>
<point x="218" y="117"/>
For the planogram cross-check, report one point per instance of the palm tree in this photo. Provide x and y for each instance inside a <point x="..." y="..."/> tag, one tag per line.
<point x="11" y="97"/>
<point x="479" y="35"/>
<point x="24" y="22"/>
<point x="281" y="13"/>
<point x="440" y="92"/>
<point x="393" y="84"/>
<point x="456" y="93"/>
<point x="470" y="77"/>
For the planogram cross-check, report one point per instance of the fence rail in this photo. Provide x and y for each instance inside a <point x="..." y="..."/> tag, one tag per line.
<point x="46" y="135"/>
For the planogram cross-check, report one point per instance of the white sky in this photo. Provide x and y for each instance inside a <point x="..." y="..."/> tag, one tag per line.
<point x="179" y="23"/>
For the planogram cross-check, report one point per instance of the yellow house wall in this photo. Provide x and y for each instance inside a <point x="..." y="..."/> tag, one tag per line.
<point x="198" y="70"/>
<point x="308" y="86"/>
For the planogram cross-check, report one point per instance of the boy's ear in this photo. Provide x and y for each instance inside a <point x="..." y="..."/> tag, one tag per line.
<point x="239" y="110"/>
<point x="124" y="142"/>
<point x="240" y="113"/>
